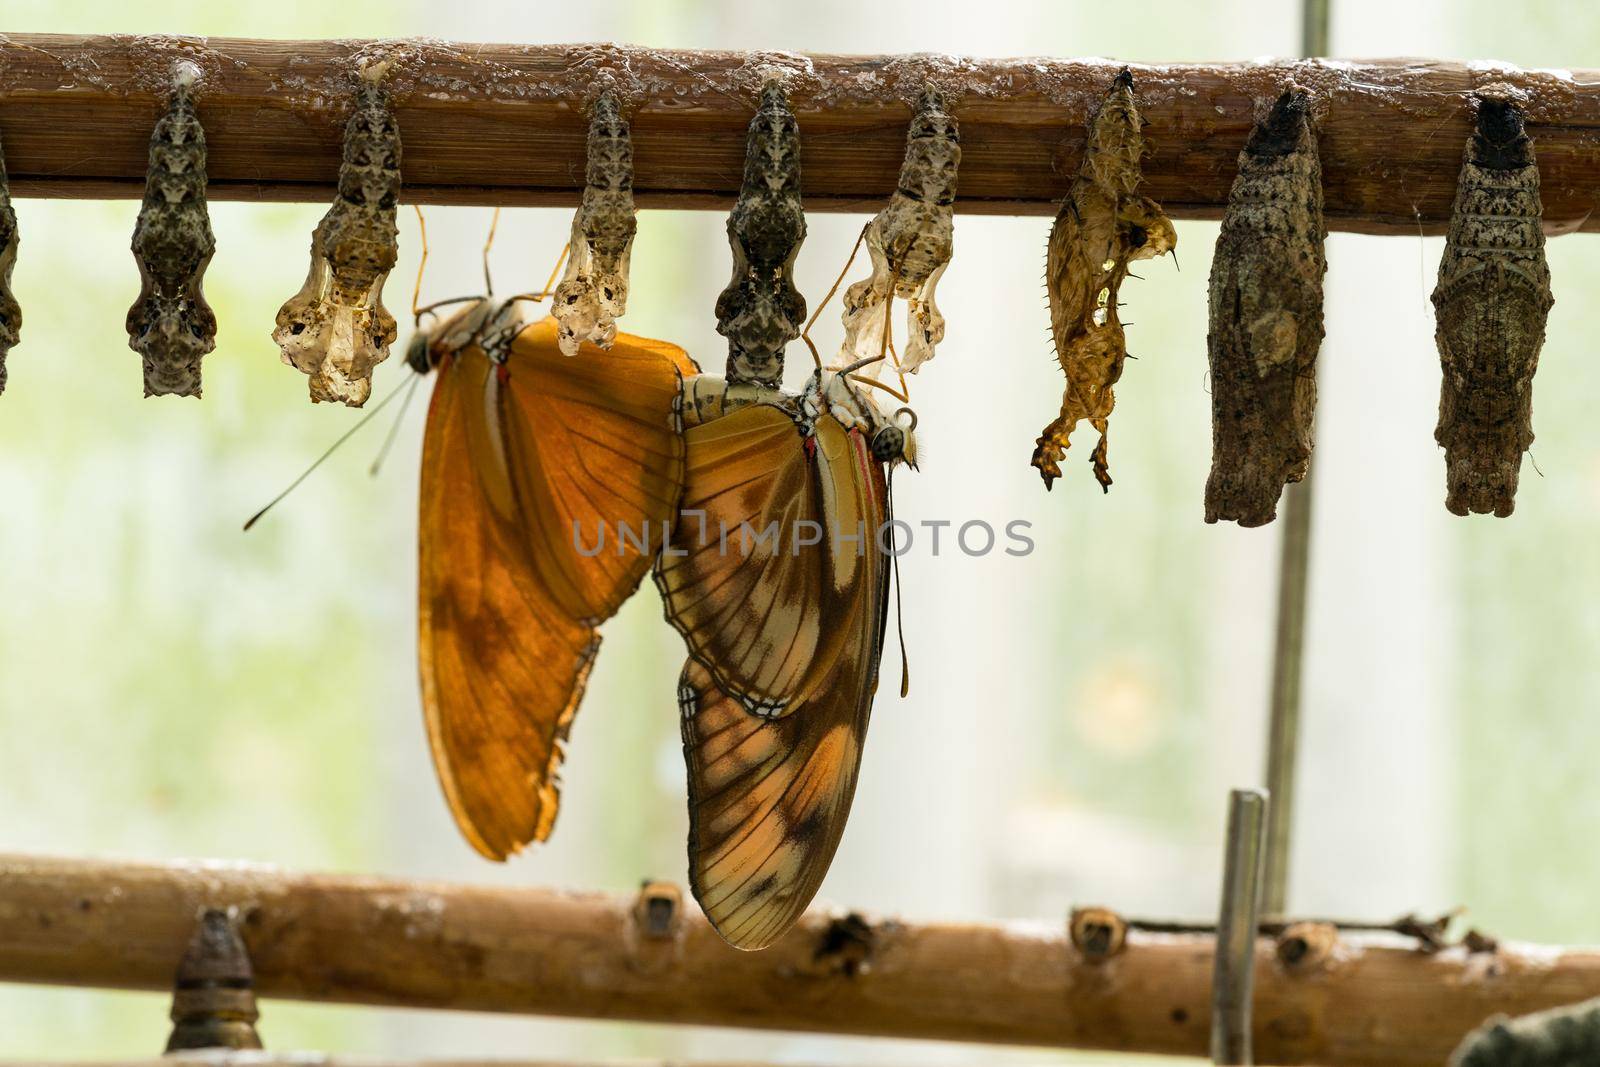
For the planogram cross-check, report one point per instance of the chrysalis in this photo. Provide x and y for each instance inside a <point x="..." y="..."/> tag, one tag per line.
<point x="170" y="325"/>
<point x="336" y="329"/>
<point x="761" y="311"/>
<point x="10" y="310"/>
<point x="1491" y="302"/>
<point x="1266" y="318"/>
<point x="1102" y="227"/>
<point x="910" y="242"/>
<point x="593" y="293"/>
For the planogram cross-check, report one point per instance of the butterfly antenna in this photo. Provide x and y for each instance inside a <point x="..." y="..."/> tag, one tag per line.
<point x="899" y="615"/>
<point x="817" y="314"/>
<point x="394" y="427"/>
<point x="331" y="449"/>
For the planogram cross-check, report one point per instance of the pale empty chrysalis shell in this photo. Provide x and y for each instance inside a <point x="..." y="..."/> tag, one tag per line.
<point x="336" y="329"/>
<point x="170" y="325"/>
<point x="593" y="293"/>
<point x="1103" y="226"/>
<point x="910" y="242"/>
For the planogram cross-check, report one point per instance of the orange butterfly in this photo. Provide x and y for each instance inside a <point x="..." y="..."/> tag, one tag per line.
<point x="777" y="576"/>
<point x="522" y="443"/>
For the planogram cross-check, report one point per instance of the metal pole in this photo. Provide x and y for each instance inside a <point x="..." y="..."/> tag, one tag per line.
<point x="1233" y="973"/>
<point x="1283" y="735"/>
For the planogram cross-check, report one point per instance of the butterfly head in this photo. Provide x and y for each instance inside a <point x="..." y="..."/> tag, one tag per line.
<point x="892" y="437"/>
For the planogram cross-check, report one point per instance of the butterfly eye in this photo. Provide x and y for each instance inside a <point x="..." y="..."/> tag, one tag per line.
<point x="888" y="444"/>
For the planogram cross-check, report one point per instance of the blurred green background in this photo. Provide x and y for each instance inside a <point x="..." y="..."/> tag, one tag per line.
<point x="173" y="687"/>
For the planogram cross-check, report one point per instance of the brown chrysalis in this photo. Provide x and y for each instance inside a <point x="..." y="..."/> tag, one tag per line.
<point x="170" y="324"/>
<point x="910" y="242"/>
<point x="1490" y="307"/>
<point x="10" y="310"/>
<point x="1266" y="318"/>
<point x="593" y="293"/>
<point x="761" y="311"/>
<point x="1102" y="227"/>
<point x="336" y="329"/>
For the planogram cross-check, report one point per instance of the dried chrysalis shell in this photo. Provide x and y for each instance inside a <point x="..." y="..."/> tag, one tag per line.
<point x="910" y="242"/>
<point x="1103" y="226"/>
<point x="10" y="310"/>
<point x="761" y="311"/>
<point x="336" y="329"/>
<point x="1491" y="302"/>
<point x="1266" y="318"/>
<point x="170" y="325"/>
<point x="593" y="293"/>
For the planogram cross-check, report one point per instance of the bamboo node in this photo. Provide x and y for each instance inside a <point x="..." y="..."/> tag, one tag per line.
<point x="658" y="911"/>
<point x="1097" y="933"/>
<point x="1306" y="946"/>
<point x="846" y="947"/>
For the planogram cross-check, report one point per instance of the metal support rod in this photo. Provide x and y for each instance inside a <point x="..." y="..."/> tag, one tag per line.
<point x="1283" y="732"/>
<point x="1233" y="973"/>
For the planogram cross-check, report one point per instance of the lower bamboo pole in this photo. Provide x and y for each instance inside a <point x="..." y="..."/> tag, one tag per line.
<point x="1345" y="1000"/>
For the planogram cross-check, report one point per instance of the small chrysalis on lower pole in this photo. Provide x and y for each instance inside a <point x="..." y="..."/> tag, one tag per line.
<point x="336" y="329"/>
<point x="593" y="293"/>
<point x="10" y="310"/>
<point x="761" y="311"/>
<point x="1103" y="226"/>
<point x="213" y="996"/>
<point x="1490" y="307"/>
<point x="1266" y="318"/>
<point x="170" y="324"/>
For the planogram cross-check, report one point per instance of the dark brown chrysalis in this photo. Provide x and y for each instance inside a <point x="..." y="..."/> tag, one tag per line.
<point x="10" y="310"/>
<point x="336" y="329"/>
<point x="1266" y="318"/>
<point x="1104" y="225"/>
<point x="761" y="311"/>
<point x="1490" y="307"/>
<point x="170" y="325"/>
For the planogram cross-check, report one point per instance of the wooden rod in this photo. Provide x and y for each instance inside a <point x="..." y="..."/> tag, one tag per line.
<point x="1351" y="1000"/>
<point x="502" y="124"/>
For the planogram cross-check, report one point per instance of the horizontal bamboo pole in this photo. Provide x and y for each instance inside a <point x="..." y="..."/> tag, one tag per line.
<point x="502" y="124"/>
<point x="1338" y="1000"/>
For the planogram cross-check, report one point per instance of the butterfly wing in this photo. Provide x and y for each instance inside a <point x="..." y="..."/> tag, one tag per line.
<point x="596" y="452"/>
<point x="766" y="547"/>
<point x="507" y="635"/>
<point x="768" y="797"/>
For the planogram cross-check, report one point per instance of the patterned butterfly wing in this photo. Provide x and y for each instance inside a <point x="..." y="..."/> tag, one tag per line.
<point x="768" y="797"/>
<point x="504" y="654"/>
<point x="596" y="452"/>
<point x="764" y="553"/>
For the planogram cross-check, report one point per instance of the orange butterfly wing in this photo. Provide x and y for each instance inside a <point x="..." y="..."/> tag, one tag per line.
<point x="504" y="655"/>
<point x="749" y="596"/>
<point x="769" y="797"/>
<point x="594" y="440"/>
